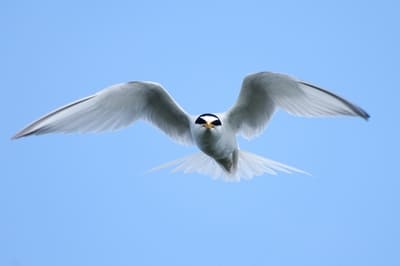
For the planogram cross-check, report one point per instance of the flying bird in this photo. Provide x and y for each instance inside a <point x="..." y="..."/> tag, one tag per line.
<point x="215" y="134"/>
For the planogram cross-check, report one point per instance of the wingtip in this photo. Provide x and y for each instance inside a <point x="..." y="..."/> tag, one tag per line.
<point x="17" y="136"/>
<point x="358" y="111"/>
<point x="24" y="133"/>
<point x="363" y="114"/>
<point x="367" y="117"/>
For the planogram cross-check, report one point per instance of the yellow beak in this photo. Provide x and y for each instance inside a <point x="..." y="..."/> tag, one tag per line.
<point x="208" y="125"/>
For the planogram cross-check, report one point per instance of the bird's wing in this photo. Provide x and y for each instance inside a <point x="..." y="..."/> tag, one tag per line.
<point x="262" y="92"/>
<point x="115" y="107"/>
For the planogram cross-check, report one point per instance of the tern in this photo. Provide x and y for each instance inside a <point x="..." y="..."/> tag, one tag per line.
<point x="215" y="134"/>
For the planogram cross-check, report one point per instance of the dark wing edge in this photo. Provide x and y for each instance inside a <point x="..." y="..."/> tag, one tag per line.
<point x="358" y="111"/>
<point x="32" y="128"/>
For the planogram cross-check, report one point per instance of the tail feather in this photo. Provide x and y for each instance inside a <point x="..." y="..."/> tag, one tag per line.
<point x="249" y="165"/>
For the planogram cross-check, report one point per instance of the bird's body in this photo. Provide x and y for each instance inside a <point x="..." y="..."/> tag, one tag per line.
<point x="219" y="143"/>
<point x="215" y="134"/>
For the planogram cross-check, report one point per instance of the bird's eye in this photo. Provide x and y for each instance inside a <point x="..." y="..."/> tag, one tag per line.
<point x="216" y="122"/>
<point x="200" y="121"/>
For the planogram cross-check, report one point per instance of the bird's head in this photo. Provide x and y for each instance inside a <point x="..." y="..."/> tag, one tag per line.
<point x="208" y="121"/>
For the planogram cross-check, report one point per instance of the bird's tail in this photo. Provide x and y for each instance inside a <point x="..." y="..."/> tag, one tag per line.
<point x="249" y="165"/>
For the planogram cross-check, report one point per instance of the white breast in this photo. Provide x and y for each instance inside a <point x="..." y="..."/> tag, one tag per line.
<point x="216" y="142"/>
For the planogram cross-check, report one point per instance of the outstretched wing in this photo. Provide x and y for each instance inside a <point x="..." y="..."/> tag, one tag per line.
<point x="115" y="107"/>
<point x="262" y="92"/>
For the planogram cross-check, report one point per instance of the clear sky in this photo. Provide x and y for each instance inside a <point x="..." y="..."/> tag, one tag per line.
<point x="87" y="200"/>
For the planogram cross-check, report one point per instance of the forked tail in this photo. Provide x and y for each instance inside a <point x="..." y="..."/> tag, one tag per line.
<point x="249" y="165"/>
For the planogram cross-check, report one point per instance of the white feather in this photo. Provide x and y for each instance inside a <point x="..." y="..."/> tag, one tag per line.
<point x="249" y="165"/>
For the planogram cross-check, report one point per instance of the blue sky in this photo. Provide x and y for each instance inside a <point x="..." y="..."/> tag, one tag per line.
<point x="87" y="200"/>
